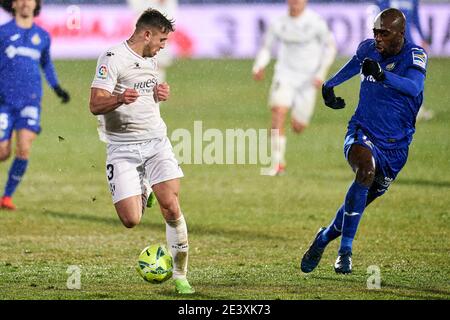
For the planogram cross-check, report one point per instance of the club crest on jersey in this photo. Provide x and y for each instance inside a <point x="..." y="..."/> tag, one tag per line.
<point x="419" y="58"/>
<point x="390" y="66"/>
<point x="36" y="39"/>
<point x="102" y="72"/>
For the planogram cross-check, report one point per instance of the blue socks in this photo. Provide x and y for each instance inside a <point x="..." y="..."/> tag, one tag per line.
<point x="347" y="218"/>
<point x="16" y="172"/>
<point x="355" y="203"/>
<point x="334" y="230"/>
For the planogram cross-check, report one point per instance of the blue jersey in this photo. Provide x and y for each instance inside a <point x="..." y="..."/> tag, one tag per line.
<point x="410" y="9"/>
<point x="22" y="53"/>
<point x="387" y="110"/>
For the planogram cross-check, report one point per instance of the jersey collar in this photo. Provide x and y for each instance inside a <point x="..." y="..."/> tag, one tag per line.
<point x="131" y="51"/>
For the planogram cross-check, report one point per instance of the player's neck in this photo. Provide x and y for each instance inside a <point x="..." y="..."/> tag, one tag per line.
<point x="136" y="46"/>
<point x="24" y="22"/>
<point x="296" y="13"/>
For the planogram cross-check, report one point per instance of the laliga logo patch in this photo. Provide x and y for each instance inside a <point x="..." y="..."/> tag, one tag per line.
<point x="102" y="72"/>
<point x="36" y="39"/>
<point x="390" y="66"/>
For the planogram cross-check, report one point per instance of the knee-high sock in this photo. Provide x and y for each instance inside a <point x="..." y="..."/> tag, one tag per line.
<point x="16" y="172"/>
<point x="355" y="203"/>
<point x="278" y="149"/>
<point x="177" y="241"/>
<point x="334" y="230"/>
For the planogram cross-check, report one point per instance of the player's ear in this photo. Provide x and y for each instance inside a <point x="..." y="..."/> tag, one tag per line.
<point x="148" y="34"/>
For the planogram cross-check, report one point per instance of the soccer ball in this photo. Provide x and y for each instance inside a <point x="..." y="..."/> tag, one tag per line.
<point x="155" y="264"/>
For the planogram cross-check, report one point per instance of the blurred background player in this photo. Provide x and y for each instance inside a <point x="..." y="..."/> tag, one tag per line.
<point x="410" y="9"/>
<point x="125" y="96"/>
<point x="24" y="49"/>
<point x="168" y="8"/>
<point x="307" y="50"/>
<point x="393" y="72"/>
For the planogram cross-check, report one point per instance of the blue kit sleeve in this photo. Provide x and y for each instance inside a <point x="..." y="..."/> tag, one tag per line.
<point x="48" y="67"/>
<point x="349" y="70"/>
<point x="411" y="85"/>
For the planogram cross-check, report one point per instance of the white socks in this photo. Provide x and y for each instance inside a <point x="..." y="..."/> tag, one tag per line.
<point x="177" y="241"/>
<point x="278" y="149"/>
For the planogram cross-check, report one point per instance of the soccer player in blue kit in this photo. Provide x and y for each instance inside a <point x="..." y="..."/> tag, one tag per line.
<point x="379" y="133"/>
<point x="24" y="49"/>
<point x="410" y="9"/>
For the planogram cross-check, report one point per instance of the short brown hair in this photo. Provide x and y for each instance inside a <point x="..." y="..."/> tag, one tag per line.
<point x="154" y="19"/>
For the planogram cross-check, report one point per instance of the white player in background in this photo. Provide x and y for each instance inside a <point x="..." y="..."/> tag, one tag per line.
<point x="125" y="96"/>
<point x="307" y="50"/>
<point x="169" y="8"/>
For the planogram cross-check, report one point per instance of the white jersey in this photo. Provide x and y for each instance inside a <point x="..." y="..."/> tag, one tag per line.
<point x="307" y="47"/>
<point x="120" y="68"/>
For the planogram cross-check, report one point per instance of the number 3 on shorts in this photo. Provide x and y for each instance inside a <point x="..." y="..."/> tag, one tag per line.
<point x="110" y="171"/>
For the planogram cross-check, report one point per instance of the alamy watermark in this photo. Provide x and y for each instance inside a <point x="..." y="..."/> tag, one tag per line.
<point x="74" y="279"/>
<point x="229" y="146"/>
<point x="374" y="280"/>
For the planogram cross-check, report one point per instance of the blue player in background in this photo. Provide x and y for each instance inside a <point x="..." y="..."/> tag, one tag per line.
<point x="410" y="9"/>
<point x="376" y="145"/>
<point x="24" y="49"/>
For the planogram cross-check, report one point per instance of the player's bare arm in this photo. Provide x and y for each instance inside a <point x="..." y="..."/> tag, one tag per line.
<point x="102" y="101"/>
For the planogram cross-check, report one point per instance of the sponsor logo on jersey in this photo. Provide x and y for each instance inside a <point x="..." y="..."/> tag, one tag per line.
<point x="368" y="78"/>
<point x="146" y="86"/>
<point x="390" y="66"/>
<point x="14" y="37"/>
<point x="36" y="40"/>
<point x="419" y="58"/>
<point x="109" y="54"/>
<point x="12" y="51"/>
<point x="102" y="71"/>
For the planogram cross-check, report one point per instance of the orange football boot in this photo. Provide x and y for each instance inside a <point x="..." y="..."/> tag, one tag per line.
<point x="6" y="203"/>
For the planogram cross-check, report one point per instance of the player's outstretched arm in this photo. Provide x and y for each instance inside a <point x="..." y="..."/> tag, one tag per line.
<point x="102" y="101"/>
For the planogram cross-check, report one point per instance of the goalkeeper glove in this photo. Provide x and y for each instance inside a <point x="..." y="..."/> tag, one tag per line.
<point x="61" y="93"/>
<point x="330" y="98"/>
<point x="372" y="68"/>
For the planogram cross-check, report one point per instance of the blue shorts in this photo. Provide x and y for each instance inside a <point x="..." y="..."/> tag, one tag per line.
<point x="388" y="162"/>
<point x="13" y="118"/>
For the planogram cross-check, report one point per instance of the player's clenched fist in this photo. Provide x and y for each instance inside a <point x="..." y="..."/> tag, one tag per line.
<point x="162" y="92"/>
<point x="128" y="96"/>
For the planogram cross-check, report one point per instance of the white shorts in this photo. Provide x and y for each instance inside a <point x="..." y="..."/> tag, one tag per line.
<point x="301" y="99"/>
<point x="127" y="165"/>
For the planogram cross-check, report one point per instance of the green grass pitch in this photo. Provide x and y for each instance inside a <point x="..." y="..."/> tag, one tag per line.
<point x="247" y="232"/>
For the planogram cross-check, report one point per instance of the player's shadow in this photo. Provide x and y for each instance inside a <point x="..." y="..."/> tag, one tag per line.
<point x="426" y="183"/>
<point x="111" y="220"/>
<point x="234" y="233"/>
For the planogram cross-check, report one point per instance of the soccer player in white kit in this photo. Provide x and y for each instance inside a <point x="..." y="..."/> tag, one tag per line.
<point x="168" y="8"/>
<point x="125" y="96"/>
<point x="306" y="51"/>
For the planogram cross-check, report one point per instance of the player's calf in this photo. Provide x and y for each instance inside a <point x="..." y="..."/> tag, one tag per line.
<point x="129" y="211"/>
<point x="5" y="152"/>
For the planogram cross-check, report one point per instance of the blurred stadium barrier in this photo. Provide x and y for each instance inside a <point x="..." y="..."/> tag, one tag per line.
<point x="217" y="30"/>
